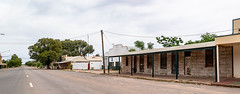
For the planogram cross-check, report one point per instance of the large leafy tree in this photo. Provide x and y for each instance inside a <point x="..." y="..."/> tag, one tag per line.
<point x="169" y="41"/>
<point x="46" y="50"/>
<point x="204" y="38"/>
<point x="76" y="48"/>
<point x="15" y="61"/>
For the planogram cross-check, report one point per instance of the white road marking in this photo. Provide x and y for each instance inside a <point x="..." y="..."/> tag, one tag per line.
<point x="31" y="85"/>
<point x="27" y="75"/>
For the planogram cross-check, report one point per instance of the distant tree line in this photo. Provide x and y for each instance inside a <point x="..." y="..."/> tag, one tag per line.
<point x="35" y="64"/>
<point x="173" y="41"/>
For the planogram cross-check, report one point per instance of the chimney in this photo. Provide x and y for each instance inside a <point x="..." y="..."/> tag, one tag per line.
<point x="236" y="26"/>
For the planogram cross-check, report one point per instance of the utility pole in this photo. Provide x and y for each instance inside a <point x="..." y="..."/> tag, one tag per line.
<point x="103" y="52"/>
<point x="88" y="38"/>
<point x="88" y="41"/>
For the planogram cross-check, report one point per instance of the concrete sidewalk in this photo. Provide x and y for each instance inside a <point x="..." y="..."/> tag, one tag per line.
<point x="170" y="78"/>
<point x="96" y="71"/>
<point x="228" y="82"/>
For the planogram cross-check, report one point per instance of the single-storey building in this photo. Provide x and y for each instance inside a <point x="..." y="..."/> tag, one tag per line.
<point x="80" y="62"/>
<point x="116" y="49"/>
<point x="2" y="64"/>
<point x="95" y="62"/>
<point x="220" y="58"/>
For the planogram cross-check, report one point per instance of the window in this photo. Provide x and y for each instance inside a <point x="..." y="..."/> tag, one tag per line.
<point x="126" y="60"/>
<point x="163" y="64"/>
<point x="209" y="58"/>
<point x="187" y="53"/>
<point x="149" y="61"/>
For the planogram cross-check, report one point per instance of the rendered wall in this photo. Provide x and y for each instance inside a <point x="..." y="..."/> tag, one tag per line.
<point x="96" y="65"/>
<point x="227" y="39"/>
<point x="83" y="66"/>
<point x="236" y="26"/>
<point x="236" y="60"/>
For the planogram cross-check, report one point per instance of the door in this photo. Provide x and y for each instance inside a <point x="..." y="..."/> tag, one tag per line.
<point x="141" y="63"/>
<point x="88" y="66"/>
<point x="135" y="64"/>
<point x="173" y="63"/>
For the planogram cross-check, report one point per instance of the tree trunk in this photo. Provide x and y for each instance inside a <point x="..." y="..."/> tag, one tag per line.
<point x="48" y="66"/>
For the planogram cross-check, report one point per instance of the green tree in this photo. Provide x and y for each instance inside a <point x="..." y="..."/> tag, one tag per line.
<point x="204" y="38"/>
<point x="72" y="48"/>
<point x="4" y="61"/>
<point x="29" y="63"/>
<point x="14" y="61"/>
<point x="150" y="45"/>
<point x="46" y="50"/>
<point x="139" y="44"/>
<point x="132" y="50"/>
<point x="169" y="41"/>
<point x="97" y="55"/>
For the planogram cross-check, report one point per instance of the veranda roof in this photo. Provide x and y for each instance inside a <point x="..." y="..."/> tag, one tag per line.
<point x="169" y="49"/>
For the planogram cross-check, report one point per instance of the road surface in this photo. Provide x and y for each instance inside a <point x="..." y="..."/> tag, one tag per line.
<point x="25" y="80"/>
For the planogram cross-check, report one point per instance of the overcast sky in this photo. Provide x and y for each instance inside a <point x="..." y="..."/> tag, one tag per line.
<point x="25" y="21"/>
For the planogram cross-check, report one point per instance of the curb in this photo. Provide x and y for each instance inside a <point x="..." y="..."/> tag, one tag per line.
<point x="165" y="80"/>
<point x="175" y="81"/>
<point x="230" y="85"/>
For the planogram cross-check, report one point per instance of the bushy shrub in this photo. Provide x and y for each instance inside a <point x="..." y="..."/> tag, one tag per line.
<point x="70" y="66"/>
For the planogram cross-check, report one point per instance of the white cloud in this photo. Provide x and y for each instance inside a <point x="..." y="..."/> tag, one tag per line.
<point x="26" y="21"/>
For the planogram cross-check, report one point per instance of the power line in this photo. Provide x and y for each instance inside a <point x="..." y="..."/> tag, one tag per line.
<point x="16" y="43"/>
<point x="204" y="33"/>
<point x="29" y="43"/>
<point x="108" y="40"/>
<point x="130" y="35"/>
<point x="158" y="36"/>
<point x="85" y="35"/>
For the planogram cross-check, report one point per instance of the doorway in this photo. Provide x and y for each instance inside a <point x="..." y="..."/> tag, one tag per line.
<point x="141" y="64"/>
<point x="135" y="64"/>
<point x="174" y="63"/>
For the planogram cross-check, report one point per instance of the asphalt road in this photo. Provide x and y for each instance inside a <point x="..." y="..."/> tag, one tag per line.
<point x="26" y="80"/>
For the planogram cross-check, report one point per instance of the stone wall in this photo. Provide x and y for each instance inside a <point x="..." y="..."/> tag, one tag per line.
<point x="225" y="61"/>
<point x="194" y="65"/>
